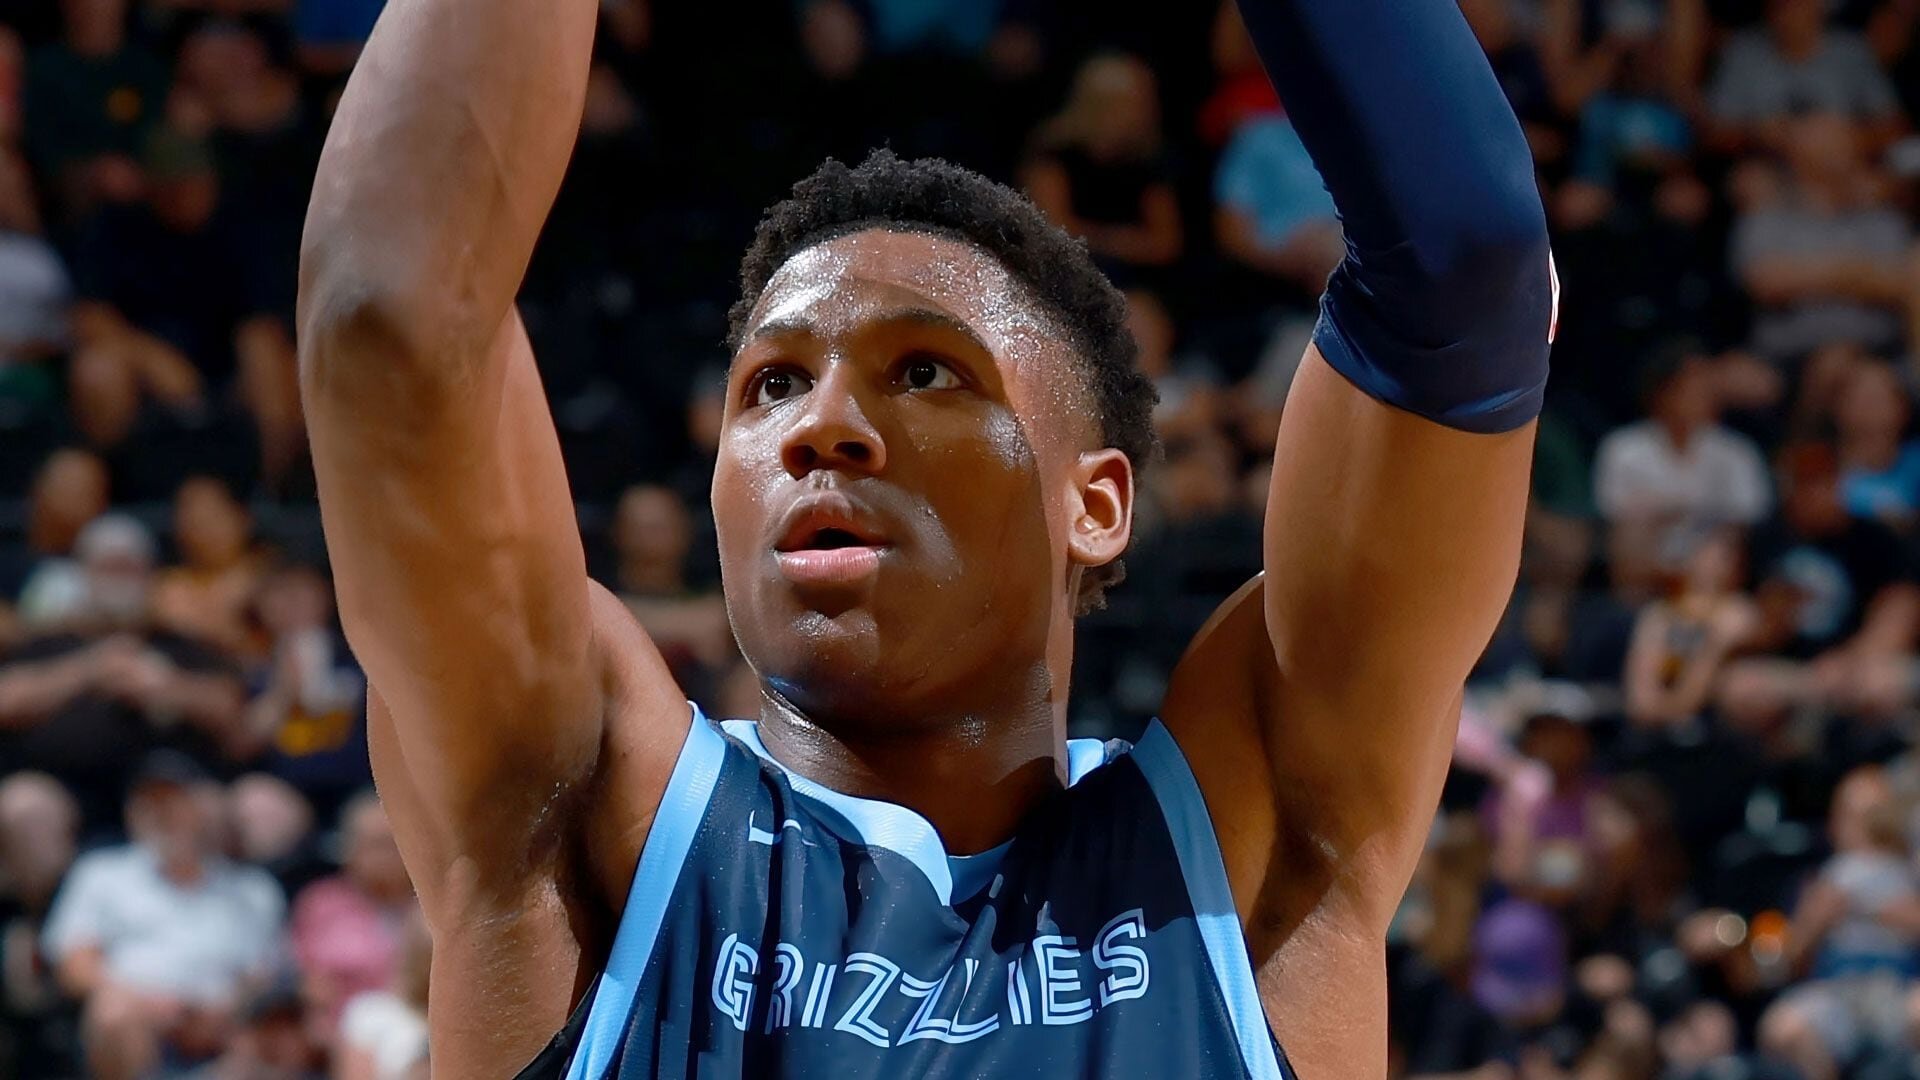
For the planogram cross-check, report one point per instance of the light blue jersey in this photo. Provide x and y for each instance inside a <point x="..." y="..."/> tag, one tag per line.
<point x="778" y="928"/>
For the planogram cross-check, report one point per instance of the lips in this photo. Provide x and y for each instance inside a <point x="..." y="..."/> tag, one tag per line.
<point x="829" y="523"/>
<point x="828" y="539"/>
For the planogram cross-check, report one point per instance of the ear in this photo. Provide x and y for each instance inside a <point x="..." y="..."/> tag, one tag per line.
<point x="1102" y="506"/>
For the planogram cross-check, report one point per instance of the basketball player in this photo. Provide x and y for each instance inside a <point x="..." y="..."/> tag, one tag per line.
<point x="901" y="867"/>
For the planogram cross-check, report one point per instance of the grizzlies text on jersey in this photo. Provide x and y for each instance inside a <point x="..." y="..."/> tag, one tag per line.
<point x="778" y="928"/>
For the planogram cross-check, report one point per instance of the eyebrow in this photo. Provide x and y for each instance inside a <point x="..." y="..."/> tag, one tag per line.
<point x="913" y="316"/>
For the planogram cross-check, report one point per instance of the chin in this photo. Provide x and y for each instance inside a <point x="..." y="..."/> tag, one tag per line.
<point x="820" y="661"/>
<point x="844" y="670"/>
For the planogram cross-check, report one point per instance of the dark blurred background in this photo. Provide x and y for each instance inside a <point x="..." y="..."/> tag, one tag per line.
<point x="1680" y="838"/>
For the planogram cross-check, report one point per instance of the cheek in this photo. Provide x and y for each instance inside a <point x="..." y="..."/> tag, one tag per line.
<point x="987" y="491"/>
<point x="745" y="472"/>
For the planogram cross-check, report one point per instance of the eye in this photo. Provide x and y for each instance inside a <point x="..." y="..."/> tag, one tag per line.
<point x="922" y="372"/>
<point x="776" y="385"/>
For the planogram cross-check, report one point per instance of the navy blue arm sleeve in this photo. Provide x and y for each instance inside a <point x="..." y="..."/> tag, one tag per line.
<point x="1445" y="301"/>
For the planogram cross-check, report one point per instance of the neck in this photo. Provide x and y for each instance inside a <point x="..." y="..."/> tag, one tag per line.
<point x="183" y="870"/>
<point x="1680" y="435"/>
<point x="973" y="773"/>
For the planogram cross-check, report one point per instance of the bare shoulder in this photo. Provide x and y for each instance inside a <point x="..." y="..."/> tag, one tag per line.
<point x="1213" y="712"/>
<point x="510" y="962"/>
<point x="648" y="717"/>
<point x="1226" y="707"/>
<point x="1318" y="961"/>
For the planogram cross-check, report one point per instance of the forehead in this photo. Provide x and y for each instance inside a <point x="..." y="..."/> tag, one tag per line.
<point x="839" y="285"/>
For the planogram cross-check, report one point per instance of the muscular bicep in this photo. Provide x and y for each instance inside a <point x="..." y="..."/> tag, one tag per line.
<point x="1391" y="548"/>
<point x="463" y="586"/>
<point x="1318" y="709"/>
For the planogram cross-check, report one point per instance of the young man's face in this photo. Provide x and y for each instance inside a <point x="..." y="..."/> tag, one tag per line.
<point x="903" y="468"/>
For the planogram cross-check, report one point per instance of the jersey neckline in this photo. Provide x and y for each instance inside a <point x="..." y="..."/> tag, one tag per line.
<point x="899" y="829"/>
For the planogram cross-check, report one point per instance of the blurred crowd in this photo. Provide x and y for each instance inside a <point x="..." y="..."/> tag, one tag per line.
<point x="1680" y="839"/>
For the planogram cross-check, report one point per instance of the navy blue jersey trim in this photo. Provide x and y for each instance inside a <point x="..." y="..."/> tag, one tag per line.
<point x="1185" y="811"/>
<point x="682" y="807"/>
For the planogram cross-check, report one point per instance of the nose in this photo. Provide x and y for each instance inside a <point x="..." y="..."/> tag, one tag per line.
<point x="834" y="428"/>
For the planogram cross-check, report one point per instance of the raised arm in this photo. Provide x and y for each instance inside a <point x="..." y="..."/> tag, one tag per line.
<point x="1319" y="709"/>
<point x="449" y="522"/>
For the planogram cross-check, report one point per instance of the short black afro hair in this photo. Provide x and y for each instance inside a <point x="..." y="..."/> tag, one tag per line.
<point x="933" y="196"/>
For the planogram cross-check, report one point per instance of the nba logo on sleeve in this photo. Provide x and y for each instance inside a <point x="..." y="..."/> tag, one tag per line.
<point x="1553" y="278"/>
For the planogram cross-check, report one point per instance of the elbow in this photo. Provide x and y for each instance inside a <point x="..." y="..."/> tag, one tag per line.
<point x="1465" y="260"/>
<point x="1452" y="321"/>
<point x="370" y="331"/>
<point x="1500" y="247"/>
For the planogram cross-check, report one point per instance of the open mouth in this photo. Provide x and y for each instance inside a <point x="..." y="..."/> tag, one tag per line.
<point x="829" y="530"/>
<point x="833" y="540"/>
<point x="831" y="545"/>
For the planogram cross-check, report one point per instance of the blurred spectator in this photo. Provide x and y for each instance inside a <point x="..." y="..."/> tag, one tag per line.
<point x="1189" y="399"/>
<point x="86" y="702"/>
<point x="705" y="409"/>
<point x="265" y="138"/>
<point x="268" y="824"/>
<point x="206" y="597"/>
<point x="653" y="539"/>
<point x="69" y="491"/>
<point x="1273" y="213"/>
<point x="1435" y="1030"/>
<point x="961" y="27"/>
<point x="1520" y="964"/>
<point x="348" y="930"/>
<point x="1518" y="66"/>
<point x="1681" y="644"/>
<point x="1638" y="892"/>
<point x="163" y="939"/>
<point x="1538" y="813"/>
<point x="1855" y="931"/>
<point x="1096" y="169"/>
<point x="92" y="97"/>
<point x="834" y="37"/>
<point x="1703" y="1043"/>
<point x="1631" y="133"/>
<point x="307" y="721"/>
<point x="1879" y="462"/>
<point x="1823" y="253"/>
<point x="383" y="1035"/>
<point x="1830" y="581"/>
<point x="1196" y="482"/>
<point x="34" y="293"/>
<point x="175" y="311"/>
<point x="13" y="85"/>
<point x="1797" y="63"/>
<point x="1241" y="90"/>
<point x="1560" y="510"/>
<point x="39" y="827"/>
<point x="271" y="1041"/>
<point x="1679" y="471"/>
